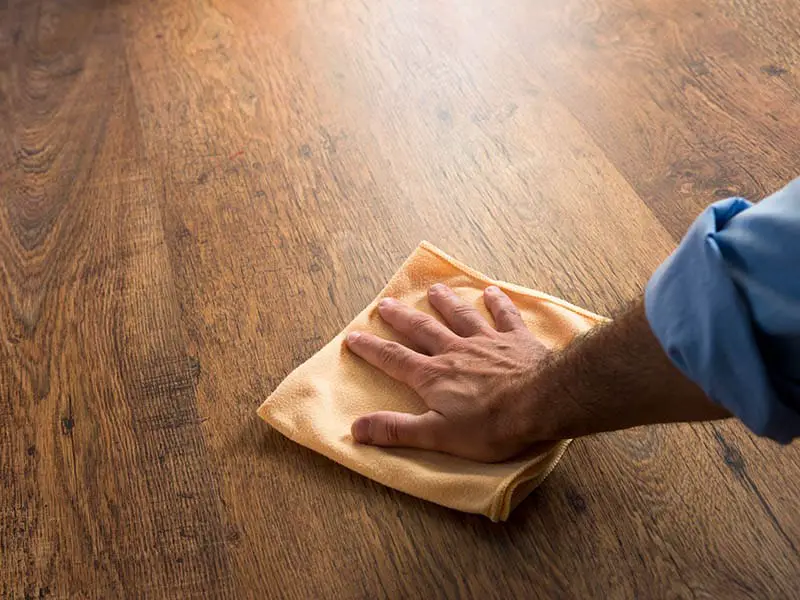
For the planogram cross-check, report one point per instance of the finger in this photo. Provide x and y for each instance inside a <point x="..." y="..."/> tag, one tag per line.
<point x="422" y="330"/>
<point x="460" y="316"/>
<point x="394" y="429"/>
<point x="394" y="359"/>
<point x="506" y="315"/>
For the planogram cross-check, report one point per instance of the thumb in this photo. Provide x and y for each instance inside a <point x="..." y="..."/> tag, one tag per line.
<point x="395" y="429"/>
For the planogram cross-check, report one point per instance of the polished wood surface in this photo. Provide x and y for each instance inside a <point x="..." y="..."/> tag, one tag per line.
<point x="197" y="194"/>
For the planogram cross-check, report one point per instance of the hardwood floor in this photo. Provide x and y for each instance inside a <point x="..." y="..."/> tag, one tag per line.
<point x="197" y="194"/>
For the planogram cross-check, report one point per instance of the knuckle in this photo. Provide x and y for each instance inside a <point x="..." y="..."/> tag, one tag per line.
<point x="455" y="345"/>
<point x="463" y="311"/>
<point x="510" y="307"/>
<point x="447" y="363"/>
<point x="503" y="345"/>
<point x="508" y="310"/>
<point x="426" y="374"/>
<point x="389" y="352"/>
<point x="391" y="429"/>
<point x="419" y="322"/>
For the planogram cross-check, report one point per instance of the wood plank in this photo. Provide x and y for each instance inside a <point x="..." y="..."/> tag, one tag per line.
<point x="683" y="97"/>
<point x="106" y="490"/>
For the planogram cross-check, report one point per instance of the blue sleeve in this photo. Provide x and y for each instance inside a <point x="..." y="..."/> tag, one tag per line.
<point x="726" y="309"/>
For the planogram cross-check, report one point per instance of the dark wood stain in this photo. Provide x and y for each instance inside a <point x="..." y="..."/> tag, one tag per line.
<point x="731" y="455"/>
<point x="231" y="181"/>
<point x="774" y="70"/>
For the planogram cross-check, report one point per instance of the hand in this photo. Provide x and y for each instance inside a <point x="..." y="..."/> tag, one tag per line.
<point x="476" y="380"/>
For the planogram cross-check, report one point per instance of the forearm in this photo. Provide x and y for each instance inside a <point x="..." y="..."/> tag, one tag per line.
<point x="614" y="377"/>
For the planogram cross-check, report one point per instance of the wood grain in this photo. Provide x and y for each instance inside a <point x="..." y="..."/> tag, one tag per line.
<point x="197" y="194"/>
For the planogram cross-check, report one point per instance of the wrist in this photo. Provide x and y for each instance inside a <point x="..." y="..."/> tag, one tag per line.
<point x="559" y="409"/>
<point x="613" y="377"/>
<point x="549" y="411"/>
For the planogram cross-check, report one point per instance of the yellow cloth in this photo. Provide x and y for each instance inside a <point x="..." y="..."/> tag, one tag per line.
<point x="316" y="404"/>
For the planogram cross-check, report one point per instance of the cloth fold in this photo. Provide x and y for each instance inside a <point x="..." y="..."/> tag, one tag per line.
<point x="316" y="404"/>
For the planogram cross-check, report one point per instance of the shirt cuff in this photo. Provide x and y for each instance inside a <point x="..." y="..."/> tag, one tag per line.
<point x="704" y="325"/>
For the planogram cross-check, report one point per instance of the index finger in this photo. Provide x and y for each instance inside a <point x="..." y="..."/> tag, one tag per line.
<point x="397" y="361"/>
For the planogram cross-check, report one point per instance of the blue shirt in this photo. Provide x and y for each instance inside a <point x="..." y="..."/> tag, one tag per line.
<point x="726" y="309"/>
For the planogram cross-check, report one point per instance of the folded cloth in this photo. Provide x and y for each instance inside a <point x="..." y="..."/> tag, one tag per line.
<point x="317" y="403"/>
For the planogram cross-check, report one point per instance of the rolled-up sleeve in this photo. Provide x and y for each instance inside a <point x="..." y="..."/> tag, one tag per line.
<point x="726" y="309"/>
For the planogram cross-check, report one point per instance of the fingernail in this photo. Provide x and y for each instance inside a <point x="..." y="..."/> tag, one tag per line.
<point x="386" y="302"/>
<point x="353" y="337"/>
<point x="492" y="289"/>
<point x="437" y="287"/>
<point x="361" y="431"/>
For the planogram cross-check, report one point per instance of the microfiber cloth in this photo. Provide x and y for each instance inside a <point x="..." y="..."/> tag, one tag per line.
<point x="317" y="403"/>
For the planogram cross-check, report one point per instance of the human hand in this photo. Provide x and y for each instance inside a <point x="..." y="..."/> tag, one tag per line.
<point x="476" y="380"/>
